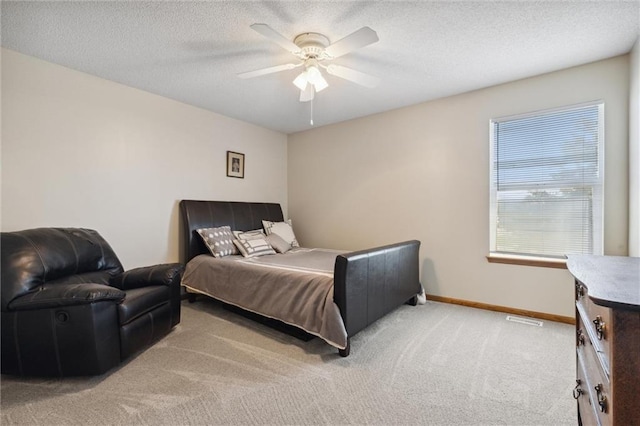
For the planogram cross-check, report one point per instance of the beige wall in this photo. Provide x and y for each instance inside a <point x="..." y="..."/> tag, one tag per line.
<point x="81" y="151"/>
<point x="634" y="152"/>
<point x="78" y="150"/>
<point x="423" y="172"/>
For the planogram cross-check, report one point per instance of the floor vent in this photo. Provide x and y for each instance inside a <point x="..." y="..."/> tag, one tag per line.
<point x="527" y="321"/>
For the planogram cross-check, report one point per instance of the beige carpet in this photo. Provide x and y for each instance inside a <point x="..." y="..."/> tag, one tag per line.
<point x="430" y="364"/>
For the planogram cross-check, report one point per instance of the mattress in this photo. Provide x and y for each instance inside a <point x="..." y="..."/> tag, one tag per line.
<point x="295" y="287"/>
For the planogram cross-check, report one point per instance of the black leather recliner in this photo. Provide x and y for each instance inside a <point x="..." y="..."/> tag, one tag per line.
<point x="69" y="309"/>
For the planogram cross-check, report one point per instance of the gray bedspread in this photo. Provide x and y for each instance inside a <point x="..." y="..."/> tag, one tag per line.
<point x="295" y="287"/>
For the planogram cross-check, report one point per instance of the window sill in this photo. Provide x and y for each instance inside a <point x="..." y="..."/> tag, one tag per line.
<point x="513" y="259"/>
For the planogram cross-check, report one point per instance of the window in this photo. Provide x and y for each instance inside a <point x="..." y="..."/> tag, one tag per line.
<point x="546" y="183"/>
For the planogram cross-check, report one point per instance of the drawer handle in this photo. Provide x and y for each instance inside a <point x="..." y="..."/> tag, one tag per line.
<point x="579" y="337"/>
<point x="577" y="391"/>
<point x="602" y="400"/>
<point x="579" y="290"/>
<point x="600" y="325"/>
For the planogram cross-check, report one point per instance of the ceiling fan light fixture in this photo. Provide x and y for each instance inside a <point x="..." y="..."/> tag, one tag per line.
<point x="313" y="74"/>
<point x="301" y="81"/>
<point x="320" y="83"/>
<point x="307" y="94"/>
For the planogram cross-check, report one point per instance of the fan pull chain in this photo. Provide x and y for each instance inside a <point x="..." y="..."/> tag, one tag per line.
<point x="311" y="121"/>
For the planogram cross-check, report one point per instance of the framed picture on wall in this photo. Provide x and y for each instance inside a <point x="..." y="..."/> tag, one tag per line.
<point x="235" y="164"/>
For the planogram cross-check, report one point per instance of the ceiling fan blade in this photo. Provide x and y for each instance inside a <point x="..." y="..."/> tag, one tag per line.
<point x="276" y="37"/>
<point x="263" y="71"/>
<point x="307" y="94"/>
<point x="363" y="37"/>
<point x="354" y="76"/>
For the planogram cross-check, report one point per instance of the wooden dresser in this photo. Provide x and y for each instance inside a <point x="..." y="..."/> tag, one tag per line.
<point x="607" y="339"/>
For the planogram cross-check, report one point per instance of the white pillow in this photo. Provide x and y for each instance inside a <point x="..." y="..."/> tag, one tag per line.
<point x="283" y="229"/>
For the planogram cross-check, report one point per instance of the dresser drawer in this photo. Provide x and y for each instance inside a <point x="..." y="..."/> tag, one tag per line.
<point x="586" y="411"/>
<point x="587" y="341"/>
<point x="595" y="322"/>
<point x="592" y="390"/>
<point x="595" y="383"/>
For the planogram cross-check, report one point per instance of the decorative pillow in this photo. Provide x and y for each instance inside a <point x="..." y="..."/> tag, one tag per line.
<point x="249" y="235"/>
<point x="257" y="246"/>
<point x="219" y="241"/>
<point x="283" y="229"/>
<point x="278" y="244"/>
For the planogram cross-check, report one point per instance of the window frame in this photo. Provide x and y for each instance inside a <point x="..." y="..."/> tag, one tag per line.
<point x="597" y="186"/>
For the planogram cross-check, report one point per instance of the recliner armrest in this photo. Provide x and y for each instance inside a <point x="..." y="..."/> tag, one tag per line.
<point x="168" y="274"/>
<point x="58" y="295"/>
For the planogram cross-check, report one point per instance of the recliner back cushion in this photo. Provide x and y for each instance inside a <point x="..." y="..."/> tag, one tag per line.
<point x="35" y="256"/>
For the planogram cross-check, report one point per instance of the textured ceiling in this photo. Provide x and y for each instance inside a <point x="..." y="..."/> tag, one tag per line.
<point x="192" y="51"/>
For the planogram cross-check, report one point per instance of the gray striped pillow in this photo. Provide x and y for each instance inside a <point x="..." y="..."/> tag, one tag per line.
<point x="256" y="246"/>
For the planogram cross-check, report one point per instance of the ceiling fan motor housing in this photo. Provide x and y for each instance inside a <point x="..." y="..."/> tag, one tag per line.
<point x="312" y="44"/>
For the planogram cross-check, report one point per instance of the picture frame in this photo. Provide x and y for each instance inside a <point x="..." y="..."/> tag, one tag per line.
<point x="235" y="164"/>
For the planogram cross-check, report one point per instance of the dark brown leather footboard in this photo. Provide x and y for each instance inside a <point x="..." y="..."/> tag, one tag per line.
<point x="369" y="284"/>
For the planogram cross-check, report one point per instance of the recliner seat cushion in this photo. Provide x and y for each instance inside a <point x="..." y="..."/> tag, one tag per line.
<point x="144" y="330"/>
<point x="139" y="301"/>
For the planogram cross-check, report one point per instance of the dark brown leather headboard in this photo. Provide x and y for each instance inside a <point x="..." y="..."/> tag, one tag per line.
<point x="240" y="216"/>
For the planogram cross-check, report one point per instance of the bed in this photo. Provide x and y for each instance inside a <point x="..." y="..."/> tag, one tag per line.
<point x="326" y="293"/>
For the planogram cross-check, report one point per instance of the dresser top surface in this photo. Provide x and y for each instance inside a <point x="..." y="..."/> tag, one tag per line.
<point x="612" y="281"/>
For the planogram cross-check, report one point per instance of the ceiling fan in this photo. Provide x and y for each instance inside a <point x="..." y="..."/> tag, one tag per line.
<point x="313" y="49"/>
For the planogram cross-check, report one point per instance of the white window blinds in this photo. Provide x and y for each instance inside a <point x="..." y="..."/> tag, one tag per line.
<point x="546" y="182"/>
